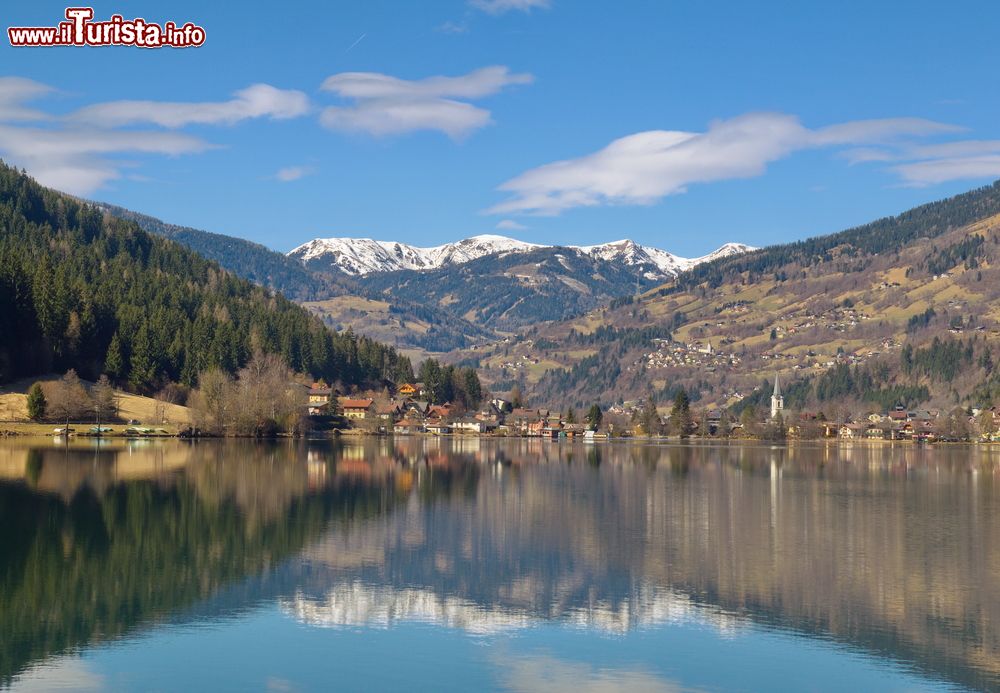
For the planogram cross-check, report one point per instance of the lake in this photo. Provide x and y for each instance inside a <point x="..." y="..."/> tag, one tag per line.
<point x="521" y="565"/>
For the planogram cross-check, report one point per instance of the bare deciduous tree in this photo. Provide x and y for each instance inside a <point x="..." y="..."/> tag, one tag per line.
<point x="105" y="402"/>
<point x="68" y="398"/>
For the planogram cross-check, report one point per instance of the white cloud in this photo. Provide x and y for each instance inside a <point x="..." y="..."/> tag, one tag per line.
<point x="645" y="167"/>
<point x="290" y="173"/>
<point x="931" y="164"/>
<point x="83" y="151"/>
<point x="256" y="101"/>
<point x="386" y="105"/>
<point x="75" y="160"/>
<point x="510" y="225"/>
<point x="934" y="171"/>
<point x="502" y="6"/>
<point x="16" y="90"/>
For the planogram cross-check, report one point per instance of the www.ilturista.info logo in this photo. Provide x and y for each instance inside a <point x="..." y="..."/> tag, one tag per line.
<point x="80" y="30"/>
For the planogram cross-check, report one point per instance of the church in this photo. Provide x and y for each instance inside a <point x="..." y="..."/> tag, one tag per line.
<point x="777" y="401"/>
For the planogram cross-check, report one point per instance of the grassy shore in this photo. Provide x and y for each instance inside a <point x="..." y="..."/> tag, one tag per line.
<point x="150" y="412"/>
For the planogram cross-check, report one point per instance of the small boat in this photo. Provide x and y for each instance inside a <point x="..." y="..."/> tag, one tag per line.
<point x="64" y="431"/>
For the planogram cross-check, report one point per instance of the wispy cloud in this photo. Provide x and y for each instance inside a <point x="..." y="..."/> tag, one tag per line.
<point x="290" y="173"/>
<point x="76" y="160"/>
<point x="502" y="6"/>
<point x="450" y="27"/>
<point x="85" y="150"/>
<point x="510" y="225"/>
<point x="646" y="167"/>
<point x="386" y="105"/>
<point x="256" y="101"/>
<point x="14" y="92"/>
<point x="934" y="171"/>
<point x="920" y="165"/>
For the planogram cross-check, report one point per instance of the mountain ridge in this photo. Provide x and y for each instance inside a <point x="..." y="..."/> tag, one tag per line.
<point x="364" y="256"/>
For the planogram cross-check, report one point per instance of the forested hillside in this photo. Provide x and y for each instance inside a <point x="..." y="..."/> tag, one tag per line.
<point x="85" y="290"/>
<point x="888" y="235"/>
<point x="508" y="292"/>
<point x="340" y="301"/>
<point x="243" y="258"/>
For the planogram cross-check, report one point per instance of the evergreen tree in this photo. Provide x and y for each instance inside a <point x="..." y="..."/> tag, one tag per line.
<point x="570" y="416"/>
<point x="680" y="413"/>
<point x="36" y="403"/>
<point x="143" y="360"/>
<point x="516" y="397"/>
<point x="594" y="417"/>
<point x="114" y="361"/>
<point x="650" y="418"/>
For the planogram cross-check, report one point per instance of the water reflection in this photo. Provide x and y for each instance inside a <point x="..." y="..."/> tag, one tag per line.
<point x="890" y="550"/>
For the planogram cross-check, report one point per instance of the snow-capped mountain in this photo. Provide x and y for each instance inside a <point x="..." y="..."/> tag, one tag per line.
<point x="360" y="256"/>
<point x="357" y="256"/>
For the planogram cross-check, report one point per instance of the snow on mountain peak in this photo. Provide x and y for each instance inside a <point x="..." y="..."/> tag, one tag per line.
<point x="359" y="256"/>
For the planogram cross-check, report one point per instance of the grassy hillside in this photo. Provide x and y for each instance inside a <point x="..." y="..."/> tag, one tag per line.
<point x="905" y="310"/>
<point x="14" y="408"/>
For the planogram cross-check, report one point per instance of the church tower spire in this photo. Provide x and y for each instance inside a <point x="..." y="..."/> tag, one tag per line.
<point x="777" y="401"/>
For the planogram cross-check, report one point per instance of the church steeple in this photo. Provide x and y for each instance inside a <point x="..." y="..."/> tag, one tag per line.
<point x="777" y="401"/>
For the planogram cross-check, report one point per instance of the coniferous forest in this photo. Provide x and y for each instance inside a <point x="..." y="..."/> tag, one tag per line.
<point x="81" y="289"/>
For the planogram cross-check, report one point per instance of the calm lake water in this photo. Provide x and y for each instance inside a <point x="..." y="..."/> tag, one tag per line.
<point x="491" y="565"/>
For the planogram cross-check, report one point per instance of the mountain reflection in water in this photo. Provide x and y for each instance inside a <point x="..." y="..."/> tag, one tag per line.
<point x="891" y="551"/>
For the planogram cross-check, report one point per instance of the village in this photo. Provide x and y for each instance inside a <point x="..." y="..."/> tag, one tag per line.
<point x="408" y="412"/>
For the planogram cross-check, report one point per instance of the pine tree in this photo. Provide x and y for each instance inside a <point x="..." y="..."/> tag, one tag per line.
<point x="680" y="414"/>
<point x="143" y="360"/>
<point x="36" y="403"/>
<point x="594" y="417"/>
<point x="516" y="397"/>
<point x="114" y="362"/>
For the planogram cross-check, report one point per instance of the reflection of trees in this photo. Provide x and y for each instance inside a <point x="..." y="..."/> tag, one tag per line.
<point x="85" y="556"/>
<point x="894" y="551"/>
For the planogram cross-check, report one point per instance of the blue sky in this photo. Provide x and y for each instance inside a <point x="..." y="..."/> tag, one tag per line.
<point x="678" y="124"/>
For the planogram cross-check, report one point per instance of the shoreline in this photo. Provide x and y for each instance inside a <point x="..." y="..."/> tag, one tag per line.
<point x="35" y="430"/>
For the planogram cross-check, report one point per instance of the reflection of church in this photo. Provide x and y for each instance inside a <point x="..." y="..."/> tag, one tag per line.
<point x="777" y="401"/>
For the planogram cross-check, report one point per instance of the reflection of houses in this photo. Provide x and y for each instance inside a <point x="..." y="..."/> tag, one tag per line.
<point x="357" y="409"/>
